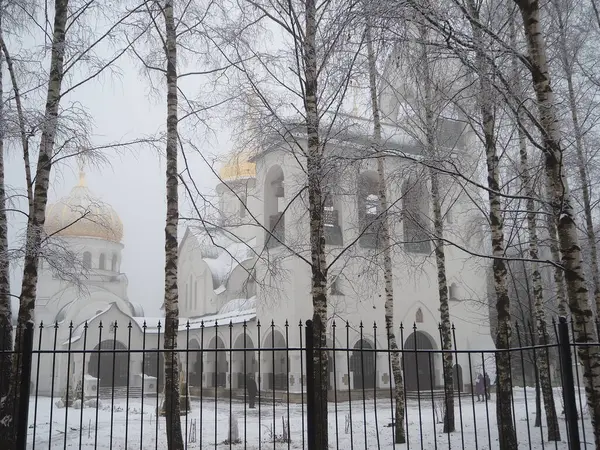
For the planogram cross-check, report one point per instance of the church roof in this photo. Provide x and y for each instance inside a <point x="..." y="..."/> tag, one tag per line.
<point x="81" y="214"/>
<point x="222" y="252"/>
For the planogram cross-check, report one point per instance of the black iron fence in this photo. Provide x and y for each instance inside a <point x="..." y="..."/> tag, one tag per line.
<point x="243" y="385"/>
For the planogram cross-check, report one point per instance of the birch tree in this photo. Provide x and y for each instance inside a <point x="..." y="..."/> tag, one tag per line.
<point x="568" y="57"/>
<point x="536" y="277"/>
<point x="6" y="328"/>
<point x="299" y="86"/>
<point x="438" y="228"/>
<point x="506" y="431"/>
<point x="171" y="405"/>
<point x="78" y="63"/>
<point x="400" y="436"/>
<point x="558" y="189"/>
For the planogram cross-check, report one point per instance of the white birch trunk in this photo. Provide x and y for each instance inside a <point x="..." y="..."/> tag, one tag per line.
<point x="558" y="187"/>
<point x="506" y="431"/>
<point x="581" y="164"/>
<point x="171" y="406"/>
<point x="6" y="329"/>
<point x="400" y="435"/>
<point x="440" y="257"/>
<point x="542" y="369"/>
<point x="317" y="232"/>
<point x="37" y="213"/>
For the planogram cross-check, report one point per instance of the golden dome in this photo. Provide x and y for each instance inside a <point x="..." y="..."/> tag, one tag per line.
<point x="81" y="214"/>
<point x="239" y="167"/>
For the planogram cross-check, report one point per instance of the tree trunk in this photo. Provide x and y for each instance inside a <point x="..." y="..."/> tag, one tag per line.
<point x="400" y="436"/>
<point x="37" y="216"/>
<point x="556" y="179"/>
<point x="506" y="430"/>
<point x="542" y="372"/>
<point x="581" y="164"/>
<point x="171" y="405"/>
<point x="6" y="329"/>
<point x="317" y="232"/>
<point x="559" y="276"/>
<point x="542" y="359"/>
<point x="440" y="257"/>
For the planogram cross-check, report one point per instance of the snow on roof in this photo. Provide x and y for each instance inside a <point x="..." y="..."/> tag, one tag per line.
<point x="239" y="304"/>
<point x="222" y="253"/>
<point x="78" y="331"/>
<point x="137" y="309"/>
<point x="220" y="320"/>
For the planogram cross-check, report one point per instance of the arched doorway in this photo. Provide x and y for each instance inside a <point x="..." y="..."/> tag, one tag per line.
<point x="275" y="364"/>
<point x="362" y="365"/>
<point x="109" y="366"/>
<point x="457" y="377"/>
<point x="216" y="363"/>
<point x="419" y="367"/>
<point x="194" y="364"/>
<point x="243" y="361"/>
<point x="154" y="366"/>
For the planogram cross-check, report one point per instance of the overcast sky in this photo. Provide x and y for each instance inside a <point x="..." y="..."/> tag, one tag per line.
<point x="134" y="182"/>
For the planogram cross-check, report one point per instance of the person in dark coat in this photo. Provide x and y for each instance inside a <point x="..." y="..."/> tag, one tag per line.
<point x="479" y="388"/>
<point x="487" y="386"/>
<point x="251" y="390"/>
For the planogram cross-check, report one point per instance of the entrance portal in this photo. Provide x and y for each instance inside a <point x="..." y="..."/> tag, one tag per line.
<point x="109" y="366"/>
<point x="419" y="367"/>
<point x="362" y="364"/>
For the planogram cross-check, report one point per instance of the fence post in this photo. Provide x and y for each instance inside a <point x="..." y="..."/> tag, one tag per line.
<point x="568" y="384"/>
<point x="23" y="406"/>
<point x="310" y="386"/>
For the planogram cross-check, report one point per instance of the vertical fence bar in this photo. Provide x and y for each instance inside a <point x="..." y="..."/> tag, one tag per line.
<point x="310" y="386"/>
<point x="24" y="387"/>
<point x="568" y="384"/>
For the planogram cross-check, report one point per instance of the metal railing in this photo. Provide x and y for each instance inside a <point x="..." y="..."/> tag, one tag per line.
<point x="249" y="386"/>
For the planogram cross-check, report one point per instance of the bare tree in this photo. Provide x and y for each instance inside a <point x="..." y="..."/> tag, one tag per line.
<point x="536" y="278"/>
<point x="5" y="302"/>
<point x="558" y="189"/>
<point x="400" y="436"/>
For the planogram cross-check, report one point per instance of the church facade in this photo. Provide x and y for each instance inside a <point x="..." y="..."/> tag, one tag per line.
<point x="244" y="281"/>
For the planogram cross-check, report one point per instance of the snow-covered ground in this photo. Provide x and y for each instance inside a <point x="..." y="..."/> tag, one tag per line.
<point x="111" y="427"/>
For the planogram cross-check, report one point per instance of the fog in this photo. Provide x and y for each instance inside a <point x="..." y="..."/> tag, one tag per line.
<point x="124" y="108"/>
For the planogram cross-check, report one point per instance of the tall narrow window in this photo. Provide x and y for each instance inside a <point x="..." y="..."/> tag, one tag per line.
<point x="113" y="263"/>
<point x="369" y="209"/>
<point x="87" y="260"/>
<point x="331" y="219"/>
<point x="415" y="207"/>
<point x="196" y="295"/>
<point x="243" y="200"/>
<point x="419" y="316"/>
<point x="274" y="206"/>
<point x="102" y="262"/>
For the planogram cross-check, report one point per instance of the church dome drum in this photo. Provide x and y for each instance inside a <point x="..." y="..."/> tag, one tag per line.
<point x="81" y="214"/>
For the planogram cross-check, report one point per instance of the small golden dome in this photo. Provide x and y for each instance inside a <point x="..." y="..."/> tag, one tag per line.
<point x="238" y="168"/>
<point x="81" y="214"/>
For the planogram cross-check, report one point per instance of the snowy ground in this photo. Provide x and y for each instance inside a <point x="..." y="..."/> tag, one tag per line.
<point x="117" y="429"/>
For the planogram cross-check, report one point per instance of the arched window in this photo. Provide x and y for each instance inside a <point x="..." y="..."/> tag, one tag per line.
<point x="415" y="200"/>
<point x="419" y="316"/>
<point x="102" y="262"/>
<point x="87" y="260"/>
<point x="274" y="203"/>
<point x="369" y="209"/>
<point x="113" y="263"/>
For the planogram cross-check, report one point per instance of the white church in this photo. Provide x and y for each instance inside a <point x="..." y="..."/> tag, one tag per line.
<point x="242" y="279"/>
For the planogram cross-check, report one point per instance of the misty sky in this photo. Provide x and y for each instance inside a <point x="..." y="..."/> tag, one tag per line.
<point x="123" y="109"/>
